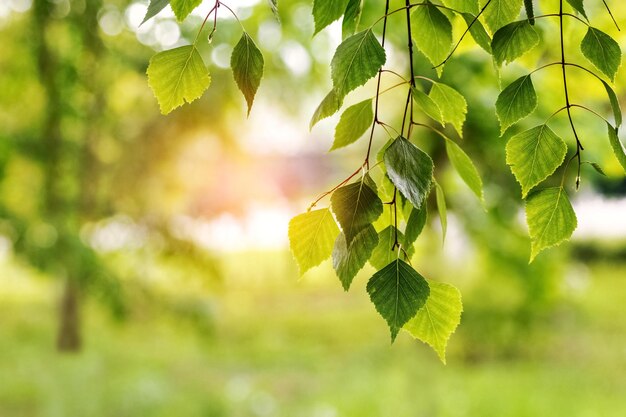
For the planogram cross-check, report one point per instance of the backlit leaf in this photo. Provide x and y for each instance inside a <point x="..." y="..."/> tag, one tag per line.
<point x="348" y="261"/>
<point x="534" y="155"/>
<point x="578" y="6"/>
<point x="501" y="12"/>
<point x="247" y="64"/>
<point x="351" y="18"/>
<point x="437" y="320"/>
<point x="616" y="145"/>
<point x="154" y="8"/>
<point x="515" y="102"/>
<point x="354" y="121"/>
<point x="432" y="33"/>
<point x="356" y="206"/>
<point x="410" y="169"/>
<point x="177" y="76"/>
<point x="383" y="253"/>
<point x="427" y="105"/>
<point x="465" y="167"/>
<point x="478" y="32"/>
<point x="451" y="103"/>
<point x="326" y="12"/>
<point x="182" y="8"/>
<point x="617" y="111"/>
<point x="356" y="60"/>
<point x="442" y="209"/>
<point x="329" y="106"/>
<point x="397" y="292"/>
<point x="513" y="40"/>
<point x="415" y="224"/>
<point x="602" y="50"/>
<point x="464" y="6"/>
<point x="311" y="237"/>
<point x="550" y="217"/>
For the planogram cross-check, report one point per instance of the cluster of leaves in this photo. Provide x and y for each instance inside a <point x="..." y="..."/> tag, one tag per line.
<point x="354" y="229"/>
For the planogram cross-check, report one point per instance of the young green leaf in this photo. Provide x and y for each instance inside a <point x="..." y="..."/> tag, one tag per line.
<point x="182" y="8"/>
<point x="154" y="8"/>
<point x="311" y="237"/>
<point x="326" y="12"/>
<point x="442" y="209"/>
<point x="432" y="33"/>
<point x="550" y="217"/>
<point x="410" y="169"/>
<point x="356" y="206"/>
<point x="578" y="6"/>
<point x="329" y="106"/>
<point x="616" y="145"/>
<point x="451" y="103"/>
<point x="438" y="319"/>
<point x="463" y="6"/>
<point x="398" y="292"/>
<point x="617" y="111"/>
<point x="515" y="102"/>
<point x="534" y="155"/>
<point x="465" y="167"/>
<point x="356" y="60"/>
<point x="415" y="224"/>
<point x="349" y="260"/>
<point x="383" y="253"/>
<point x="602" y="51"/>
<point x="596" y="167"/>
<point x="513" y="40"/>
<point x="351" y="18"/>
<point x="247" y="64"/>
<point x="354" y="121"/>
<point x="177" y="76"/>
<point x="427" y="105"/>
<point x="478" y="32"/>
<point x="501" y="12"/>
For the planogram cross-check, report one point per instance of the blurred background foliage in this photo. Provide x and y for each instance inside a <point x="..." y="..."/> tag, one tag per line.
<point x="160" y="242"/>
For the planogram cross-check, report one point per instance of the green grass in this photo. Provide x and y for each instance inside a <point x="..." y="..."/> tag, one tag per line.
<point x="281" y="347"/>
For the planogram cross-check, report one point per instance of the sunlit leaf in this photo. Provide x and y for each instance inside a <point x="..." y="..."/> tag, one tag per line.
<point x="247" y="64"/>
<point x="397" y="292"/>
<point x="154" y="8"/>
<point x="437" y="320"/>
<point x="617" y="111"/>
<point x="596" y="167"/>
<point x="329" y="106"/>
<point x="550" y="217"/>
<point x="501" y="12"/>
<point x="356" y="206"/>
<point x="177" y="76"/>
<point x="465" y="167"/>
<point x="513" y="40"/>
<point x="182" y="8"/>
<point x="356" y="60"/>
<point x="311" y="237"/>
<point x="326" y="12"/>
<point x="534" y="155"/>
<point x="354" y="121"/>
<point x="602" y="50"/>
<point x="383" y="253"/>
<point x="415" y="224"/>
<point x="515" y="102"/>
<point x="427" y="105"/>
<point x="348" y="261"/>
<point x="464" y="6"/>
<point x="432" y="33"/>
<point x="442" y="209"/>
<point x="578" y="6"/>
<point x="451" y="103"/>
<point x="616" y="145"/>
<point x="351" y="18"/>
<point x="410" y="169"/>
<point x="478" y="32"/>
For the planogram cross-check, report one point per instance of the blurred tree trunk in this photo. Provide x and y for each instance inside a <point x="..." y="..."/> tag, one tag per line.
<point x="68" y="336"/>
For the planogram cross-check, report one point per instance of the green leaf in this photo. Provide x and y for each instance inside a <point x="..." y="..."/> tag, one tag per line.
<point x="451" y="103"/>
<point x="596" y="166"/>
<point x="415" y="224"/>
<point x="534" y="155"/>
<point x="550" y="217"/>
<point x="438" y="319"/>
<point x="177" y="76"/>
<point x="351" y="18"/>
<point x="513" y="40"/>
<point x="326" y="12"/>
<point x="182" y="8"/>
<point x="397" y="292"/>
<point x="618" y="149"/>
<point x="311" y="237"/>
<point x="463" y="6"/>
<point x="432" y="33"/>
<point x="442" y="209"/>
<point x="274" y="7"/>
<point x="578" y="6"/>
<point x="383" y="254"/>
<point x="354" y="121"/>
<point x="501" y="12"/>
<point x="356" y="206"/>
<point x="465" y="167"/>
<point x="247" y="64"/>
<point x="478" y="32"/>
<point x="356" y="60"/>
<point x="329" y="106"/>
<point x="349" y="261"/>
<point x="154" y="8"/>
<point x="617" y="112"/>
<point x="515" y="102"/>
<point x="602" y="51"/>
<point x="427" y="105"/>
<point x="410" y="169"/>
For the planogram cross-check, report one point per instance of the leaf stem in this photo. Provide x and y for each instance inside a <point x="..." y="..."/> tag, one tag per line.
<point x="213" y="9"/>
<point x="611" y="14"/>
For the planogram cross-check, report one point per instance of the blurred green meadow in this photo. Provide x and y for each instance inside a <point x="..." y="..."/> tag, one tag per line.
<point x="271" y="345"/>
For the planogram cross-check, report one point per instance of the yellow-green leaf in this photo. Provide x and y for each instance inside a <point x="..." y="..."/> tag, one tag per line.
<point x="311" y="237"/>
<point x="354" y="121"/>
<point x="432" y="33"/>
<point x="182" y="8"/>
<point x="247" y="64"/>
<point x="513" y="40"/>
<point x="602" y="50"/>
